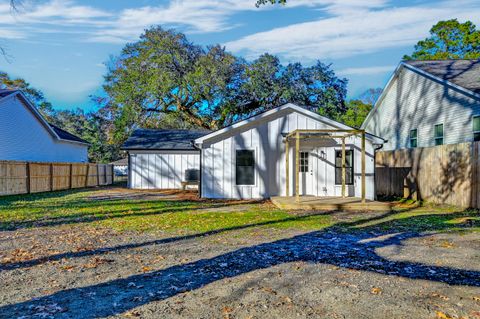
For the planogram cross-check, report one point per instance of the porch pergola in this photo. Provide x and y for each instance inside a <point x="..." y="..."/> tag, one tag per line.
<point x="342" y="134"/>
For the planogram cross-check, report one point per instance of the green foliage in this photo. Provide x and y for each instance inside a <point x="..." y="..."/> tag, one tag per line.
<point x="263" y="2"/>
<point x="355" y="114"/>
<point x="449" y="40"/>
<point x="165" y="79"/>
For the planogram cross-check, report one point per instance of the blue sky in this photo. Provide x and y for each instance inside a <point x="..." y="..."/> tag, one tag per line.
<point x="60" y="46"/>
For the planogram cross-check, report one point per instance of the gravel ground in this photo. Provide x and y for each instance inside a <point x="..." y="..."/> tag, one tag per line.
<point x="84" y="272"/>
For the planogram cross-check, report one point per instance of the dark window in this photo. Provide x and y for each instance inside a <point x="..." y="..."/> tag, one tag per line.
<point x="476" y="128"/>
<point x="245" y="167"/>
<point x="413" y="138"/>
<point x="348" y="167"/>
<point x="303" y="162"/>
<point x="439" y="134"/>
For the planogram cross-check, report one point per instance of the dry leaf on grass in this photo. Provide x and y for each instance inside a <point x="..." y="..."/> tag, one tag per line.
<point x="446" y="244"/>
<point x="442" y="315"/>
<point x="96" y="261"/>
<point x="376" y="291"/>
<point x="146" y="269"/>
<point x="227" y="310"/>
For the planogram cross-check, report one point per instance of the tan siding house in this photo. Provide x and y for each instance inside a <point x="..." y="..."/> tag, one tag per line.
<point x="424" y="98"/>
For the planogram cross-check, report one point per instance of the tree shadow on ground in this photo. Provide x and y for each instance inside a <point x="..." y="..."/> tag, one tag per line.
<point x="346" y="245"/>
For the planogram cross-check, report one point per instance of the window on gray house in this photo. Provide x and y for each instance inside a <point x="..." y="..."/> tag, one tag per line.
<point x="476" y="128"/>
<point x="348" y="167"/>
<point x="245" y="167"/>
<point x="413" y="138"/>
<point x="439" y="134"/>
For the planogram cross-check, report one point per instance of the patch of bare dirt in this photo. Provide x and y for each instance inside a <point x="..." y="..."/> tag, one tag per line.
<point x="84" y="272"/>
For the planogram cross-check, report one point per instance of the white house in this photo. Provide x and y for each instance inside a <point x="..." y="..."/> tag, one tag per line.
<point x="427" y="103"/>
<point x="248" y="159"/>
<point x="26" y="136"/>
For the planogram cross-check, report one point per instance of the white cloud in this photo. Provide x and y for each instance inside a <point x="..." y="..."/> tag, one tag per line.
<point x="366" y="70"/>
<point x="194" y="16"/>
<point x="350" y="33"/>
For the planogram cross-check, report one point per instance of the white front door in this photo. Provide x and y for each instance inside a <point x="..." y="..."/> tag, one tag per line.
<point x="306" y="179"/>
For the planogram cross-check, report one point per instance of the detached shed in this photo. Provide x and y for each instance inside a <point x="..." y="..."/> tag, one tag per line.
<point x="160" y="159"/>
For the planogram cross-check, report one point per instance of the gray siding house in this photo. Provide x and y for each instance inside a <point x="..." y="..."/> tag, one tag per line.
<point x="427" y="103"/>
<point x="26" y="136"/>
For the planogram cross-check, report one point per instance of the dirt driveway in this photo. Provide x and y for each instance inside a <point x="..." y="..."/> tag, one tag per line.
<point x="85" y="271"/>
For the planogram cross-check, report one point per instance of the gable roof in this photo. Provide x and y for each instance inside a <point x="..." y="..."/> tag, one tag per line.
<point x="291" y="106"/>
<point x="162" y="139"/>
<point x="464" y="73"/>
<point x="64" y="135"/>
<point x="56" y="132"/>
<point x="6" y="92"/>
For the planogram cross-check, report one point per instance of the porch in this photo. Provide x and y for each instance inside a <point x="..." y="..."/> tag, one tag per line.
<point x="329" y="203"/>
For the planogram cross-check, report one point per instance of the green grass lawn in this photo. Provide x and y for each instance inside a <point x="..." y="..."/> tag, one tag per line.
<point x="188" y="217"/>
<point x="181" y="217"/>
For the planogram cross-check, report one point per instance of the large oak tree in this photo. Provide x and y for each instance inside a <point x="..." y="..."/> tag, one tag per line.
<point x="163" y="75"/>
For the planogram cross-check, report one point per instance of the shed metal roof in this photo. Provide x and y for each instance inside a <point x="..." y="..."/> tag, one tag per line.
<point x="162" y="139"/>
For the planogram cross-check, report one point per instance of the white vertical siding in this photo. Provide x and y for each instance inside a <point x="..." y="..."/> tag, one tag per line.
<point x="161" y="169"/>
<point x="414" y="101"/>
<point x="264" y="137"/>
<point x="24" y="138"/>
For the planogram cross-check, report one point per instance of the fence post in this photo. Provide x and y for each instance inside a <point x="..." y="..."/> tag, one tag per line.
<point x="28" y="182"/>
<point x="98" y="174"/>
<point x="86" y="177"/>
<point x="51" y="176"/>
<point x="70" y="182"/>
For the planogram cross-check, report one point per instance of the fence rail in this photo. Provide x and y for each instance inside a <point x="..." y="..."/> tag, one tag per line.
<point x="446" y="174"/>
<point x="34" y="177"/>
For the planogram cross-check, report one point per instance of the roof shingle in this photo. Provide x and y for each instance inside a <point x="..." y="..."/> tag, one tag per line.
<point x="464" y="73"/>
<point x="64" y="135"/>
<point x="151" y="139"/>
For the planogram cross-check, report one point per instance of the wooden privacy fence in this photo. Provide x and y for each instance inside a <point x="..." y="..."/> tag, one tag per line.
<point x="446" y="174"/>
<point x="35" y="177"/>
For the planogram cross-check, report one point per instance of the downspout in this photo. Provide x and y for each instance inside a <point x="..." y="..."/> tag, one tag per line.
<point x="200" y="170"/>
<point x="129" y="163"/>
<point x="375" y="165"/>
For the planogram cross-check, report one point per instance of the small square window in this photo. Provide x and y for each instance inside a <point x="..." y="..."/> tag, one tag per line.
<point x="438" y="134"/>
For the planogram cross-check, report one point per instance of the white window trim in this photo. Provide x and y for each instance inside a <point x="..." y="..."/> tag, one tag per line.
<point x="410" y="138"/>
<point x="473" y="131"/>
<point x="435" y="138"/>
